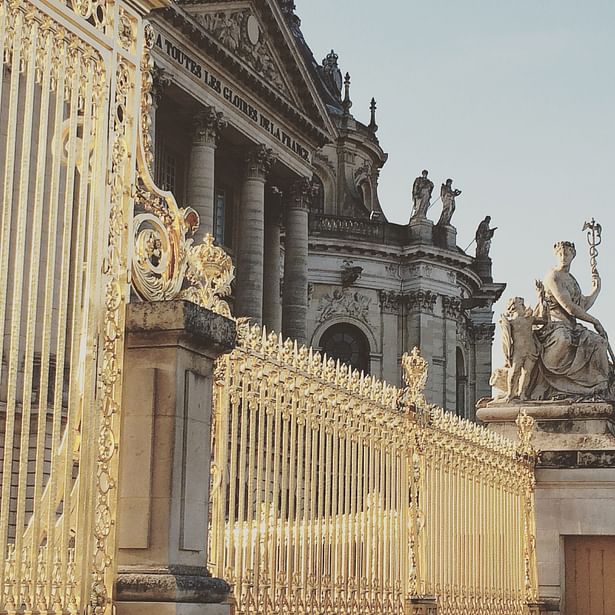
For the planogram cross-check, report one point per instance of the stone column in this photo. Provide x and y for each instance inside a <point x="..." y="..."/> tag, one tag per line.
<point x="250" y="249"/>
<point x="295" y="294"/>
<point x="165" y="460"/>
<point x="207" y="125"/>
<point x="484" y="333"/>
<point x="390" y="308"/>
<point x="451" y="312"/>
<point x="272" y="305"/>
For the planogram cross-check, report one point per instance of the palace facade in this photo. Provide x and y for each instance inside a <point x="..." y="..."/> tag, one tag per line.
<point x="258" y="137"/>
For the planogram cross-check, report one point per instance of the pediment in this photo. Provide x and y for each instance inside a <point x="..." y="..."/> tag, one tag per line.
<point x="240" y="31"/>
<point x="258" y="36"/>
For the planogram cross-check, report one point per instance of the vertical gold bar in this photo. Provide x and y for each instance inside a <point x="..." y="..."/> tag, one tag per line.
<point x="18" y="305"/>
<point x="241" y="566"/>
<point x="47" y="277"/>
<point x="78" y="396"/>
<point x="293" y="490"/>
<point x="7" y="221"/>
<point x="299" y="539"/>
<point x="231" y="560"/>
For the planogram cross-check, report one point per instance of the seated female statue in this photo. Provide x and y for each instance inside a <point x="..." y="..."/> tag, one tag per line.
<point x="573" y="361"/>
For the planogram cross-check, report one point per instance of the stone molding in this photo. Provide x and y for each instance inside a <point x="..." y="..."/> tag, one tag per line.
<point x="346" y="303"/>
<point x="390" y="301"/>
<point x="185" y="319"/>
<point x="207" y="125"/>
<point x="421" y="301"/>
<point x="259" y="160"/>
<point x="175" y="583"/>
<point x="576" y="459"/>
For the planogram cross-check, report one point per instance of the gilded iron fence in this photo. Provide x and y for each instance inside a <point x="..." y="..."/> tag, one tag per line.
<point x="333" y="492"/>
<point x="70" y="95"/>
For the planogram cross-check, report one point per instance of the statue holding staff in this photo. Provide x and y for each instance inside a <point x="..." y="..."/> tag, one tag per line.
<point x="572" y="359"/>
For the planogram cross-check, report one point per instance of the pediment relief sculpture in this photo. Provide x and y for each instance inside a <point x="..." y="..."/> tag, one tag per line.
<point x="344" y="302"/>
<point x="242" y="34"/>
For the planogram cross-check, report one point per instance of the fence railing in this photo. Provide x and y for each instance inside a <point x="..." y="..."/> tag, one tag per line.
<point x="333" y="492"/>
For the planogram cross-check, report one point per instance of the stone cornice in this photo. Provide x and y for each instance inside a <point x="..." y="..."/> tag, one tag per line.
<point x="465" y="274"/>
<point x="311" y="125"/>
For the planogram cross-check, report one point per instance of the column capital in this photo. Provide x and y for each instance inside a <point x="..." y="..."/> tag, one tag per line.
<point x="161" y="80"/>
<point x="259" y="160"/>
<point x="207" y="124"/>
<point x="300" y="194"/>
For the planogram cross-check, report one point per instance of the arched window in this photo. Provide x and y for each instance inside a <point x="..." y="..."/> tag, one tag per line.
<point x="348" y="344"/>
<point x="462" y="380"/>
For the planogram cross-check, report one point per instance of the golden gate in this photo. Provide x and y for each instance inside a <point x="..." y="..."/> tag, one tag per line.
<point x="70" y="103"/>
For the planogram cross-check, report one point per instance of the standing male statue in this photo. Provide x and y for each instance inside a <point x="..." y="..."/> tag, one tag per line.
<point x="447" y="194"/>
<point x="484" y="235"/>
<point x="421" y="195"/>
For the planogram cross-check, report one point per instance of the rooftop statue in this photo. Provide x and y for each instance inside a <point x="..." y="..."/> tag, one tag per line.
<point x="447" y="194"/>
<point x="421" y="195"/>
<point x="549" y="353"/>
<point x="483" y="237"/>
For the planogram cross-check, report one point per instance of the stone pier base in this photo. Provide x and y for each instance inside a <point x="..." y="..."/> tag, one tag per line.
<point x="575" y="492"/>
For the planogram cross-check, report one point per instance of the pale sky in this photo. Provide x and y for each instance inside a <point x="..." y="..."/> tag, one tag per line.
<point x="513" y="100"/>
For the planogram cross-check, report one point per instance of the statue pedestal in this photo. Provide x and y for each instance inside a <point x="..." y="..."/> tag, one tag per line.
<point x="445" y="236"/>
<point x="559" y="425"/>
<point x="575" y="487"/>
<point x="482" y="266"/>
<point x="421" y="230"/>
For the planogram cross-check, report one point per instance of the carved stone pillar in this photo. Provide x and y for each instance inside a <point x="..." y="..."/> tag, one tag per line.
<point x="295" y="299"/>
<point x="455" y="393"/>
<point x="207" y="125"/>
<point x="483" y="333"/>
<point x="250" y="250"/>
<point x="171" y="347"/>
<point x="272" y="307"/>
<point x="390" y="309"/>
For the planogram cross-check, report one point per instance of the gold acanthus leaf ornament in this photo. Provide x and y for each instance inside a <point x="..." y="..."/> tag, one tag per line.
<point x="415" y="370"/>
<point x="525" y="431"/>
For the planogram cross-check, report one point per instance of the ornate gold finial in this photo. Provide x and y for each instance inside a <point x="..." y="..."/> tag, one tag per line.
<point x="415" y="369"/>
<point x="210" y="273"/>
<point x="525" y="430"/>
